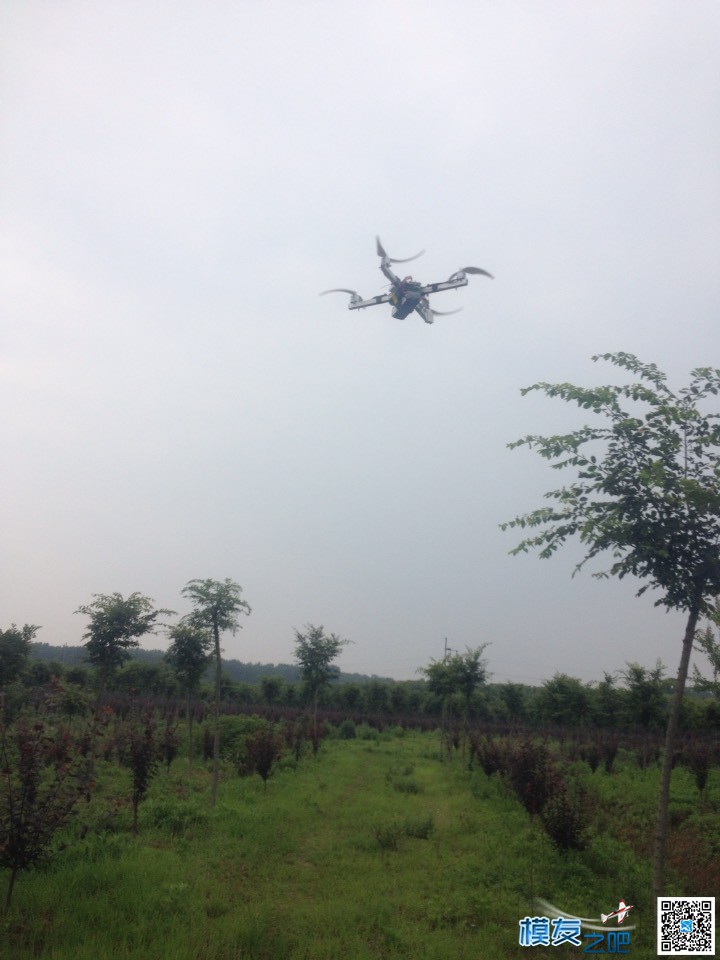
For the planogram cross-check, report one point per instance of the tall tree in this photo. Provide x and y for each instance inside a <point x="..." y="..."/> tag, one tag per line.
<point x="217" y="605"/>
<point x="189" y="655"/>
<point x="116" y="624"/>
<point x="14" y="651"/>
<point x="647" y="491"/>
<point x="563" y="700"/>
<point x="646" y="696"/>
<point x="460" y="673"/>
<point x="457" y="675"/>
<point x="607" y="701"/>
<point x="273" y="689"/>
<point x="315" y="652"/>
<point x="514" y="698"/>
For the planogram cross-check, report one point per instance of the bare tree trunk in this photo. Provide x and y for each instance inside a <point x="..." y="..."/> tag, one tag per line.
<point x="670" y="738"/>
<point x="216" y="737"/>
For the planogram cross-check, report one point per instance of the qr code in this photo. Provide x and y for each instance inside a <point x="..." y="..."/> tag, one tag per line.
<point x="686" y="926"/>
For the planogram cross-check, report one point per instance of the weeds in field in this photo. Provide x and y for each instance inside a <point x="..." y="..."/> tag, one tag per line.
<point x="336" y="861"/>
<point x="389" y="835"/>
<point x="176" y="817"/>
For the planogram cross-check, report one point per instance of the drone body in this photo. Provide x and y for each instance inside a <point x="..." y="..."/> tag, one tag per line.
<point x="407" y="295"/>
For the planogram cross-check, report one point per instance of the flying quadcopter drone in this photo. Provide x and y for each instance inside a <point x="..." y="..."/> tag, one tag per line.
<point x="407" y="294"/>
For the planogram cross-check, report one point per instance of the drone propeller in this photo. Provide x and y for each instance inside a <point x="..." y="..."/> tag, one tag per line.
<point x="353" y="293"/>
<point x="381" y="253"/>
<point x="428" y="314"/>
<point x="463" y="270"/>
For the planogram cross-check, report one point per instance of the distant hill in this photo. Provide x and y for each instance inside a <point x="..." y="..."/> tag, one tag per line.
<point x="235" y="669"/>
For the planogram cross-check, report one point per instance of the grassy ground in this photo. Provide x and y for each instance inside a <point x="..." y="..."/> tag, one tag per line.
<point x="373" y="849"/>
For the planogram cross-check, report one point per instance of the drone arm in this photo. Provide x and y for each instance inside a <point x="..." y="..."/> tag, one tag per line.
<point x="373" y="301"/>
<point x="385" y="267"/>
<point x="356" y="301"/>
<point x="385" y="260"/>
<point x="451" y="284"/>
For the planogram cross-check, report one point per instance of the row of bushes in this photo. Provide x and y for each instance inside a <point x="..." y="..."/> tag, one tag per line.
<point x="544" y="782"/>
<point x="636" y="696"/>
<point x="50" y="763"/>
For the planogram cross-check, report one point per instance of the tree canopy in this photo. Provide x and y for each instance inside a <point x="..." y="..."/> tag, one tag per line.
<point x="116" y="624"/>
<point x="647" y="487"/>
<point x="217" y="604"/>
<point x="315" y="651"/>
<point x="646" y="491"/>
<point x="15" y="650"/>
<point x="189" y="654"/>
<point x="461" y="673"/>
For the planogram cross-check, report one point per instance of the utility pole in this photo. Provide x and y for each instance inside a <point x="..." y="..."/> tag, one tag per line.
<point x="448" y="650"/>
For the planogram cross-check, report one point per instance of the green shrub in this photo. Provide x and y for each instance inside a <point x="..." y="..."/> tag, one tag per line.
<point x="347" y="730"/>
<point x="366" y="732"/>
<point x="244" y="741"/>
<point x="393" y="732"/>
<point x="407" y="786"/>
<point x="96" y="848"/>
<point x="389" y="834"/>
<point x="234" y="730"/>
<point x="419" y="827"/>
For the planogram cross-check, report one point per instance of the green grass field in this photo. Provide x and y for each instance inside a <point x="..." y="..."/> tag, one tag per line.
<point x="375" y="848"/>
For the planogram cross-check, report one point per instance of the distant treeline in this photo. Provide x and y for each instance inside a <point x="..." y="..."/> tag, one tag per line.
<point x="636" y="698"/>
<point x="235" y="670"/>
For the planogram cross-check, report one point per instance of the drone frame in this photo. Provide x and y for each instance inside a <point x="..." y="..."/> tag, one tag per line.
<point x="357" y="303"/>
<point x="456" y="280"/>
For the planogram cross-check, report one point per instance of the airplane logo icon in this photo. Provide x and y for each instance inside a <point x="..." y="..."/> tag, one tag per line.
<point x="588" y="923"/>
<point x="621" y="912"/>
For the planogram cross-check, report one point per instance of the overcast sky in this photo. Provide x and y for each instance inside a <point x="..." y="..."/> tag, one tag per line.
<point x="178" y="183"/>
